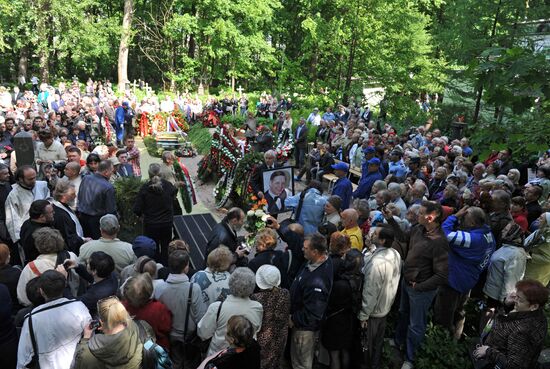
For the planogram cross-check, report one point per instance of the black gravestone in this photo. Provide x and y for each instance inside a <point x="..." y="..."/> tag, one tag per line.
<point x="24" y="148"/>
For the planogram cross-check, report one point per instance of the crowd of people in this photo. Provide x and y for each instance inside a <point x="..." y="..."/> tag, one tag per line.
<point x="426" y="227"/>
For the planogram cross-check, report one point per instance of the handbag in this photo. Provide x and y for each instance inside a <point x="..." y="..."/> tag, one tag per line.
<point x="195" y="347"/>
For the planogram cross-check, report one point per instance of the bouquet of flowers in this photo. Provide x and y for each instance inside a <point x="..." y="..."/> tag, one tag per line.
<point x="255" y="220"/>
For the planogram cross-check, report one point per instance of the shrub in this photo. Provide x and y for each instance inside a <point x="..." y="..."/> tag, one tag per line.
<point x="126" y="190"/>
<point x="440" y="350"/>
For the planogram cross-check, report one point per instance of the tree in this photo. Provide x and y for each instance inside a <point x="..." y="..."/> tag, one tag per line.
<point x="125" y="39"/>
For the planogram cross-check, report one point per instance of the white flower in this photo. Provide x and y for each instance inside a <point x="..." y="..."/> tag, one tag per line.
<point x="250" y="213"/>
<point x="265" y="217"/>
<point x="259" y="213"/>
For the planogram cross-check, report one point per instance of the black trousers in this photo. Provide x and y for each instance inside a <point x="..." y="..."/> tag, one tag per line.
<point x="449" y="307"/>
<point x="162" y="234"/>
<point x="375" y="338"/>
<point x="90" y="225"/>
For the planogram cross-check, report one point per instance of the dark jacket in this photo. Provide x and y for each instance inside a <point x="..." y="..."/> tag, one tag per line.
<point x="516" y="339"/>
<point x="96" y="291"/>
<point x="64" y="224"/>
<point x="309" y="295"/>
<point x="129" y="170"/>
<point x="295" y="243"/>
<point x="9" y="276"/>
<point x="264" y="141"/>
<point x="96" y="196"/>
<point x="301" y="140"/>
<point x="27" y="241"/>
<point x="276" y="258"/>
<point x="222" y="234"/>
<point x="325" y="162"/>
<point x="230" y="359"/>
<point x="5" y="189"/>
<point x="427" y="259"/>
<point x="156" y="206"/>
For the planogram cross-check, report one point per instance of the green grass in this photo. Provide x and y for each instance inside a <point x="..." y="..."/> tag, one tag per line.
<point x="200" y="137"/>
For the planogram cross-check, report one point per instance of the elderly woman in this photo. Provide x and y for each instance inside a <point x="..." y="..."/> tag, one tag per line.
<point x="538" y="266"/>
<point x="276" y="303"/>
<point x="51" y="249"/>
<point x="243" y="351"/>
<point x="214" y="323"/>
<point x="332" y="210"/>
<point x="516" y="339"/>
<point x="214" y="280"/>
<point x="137" y="294"/>
<point x="119" y="345"/>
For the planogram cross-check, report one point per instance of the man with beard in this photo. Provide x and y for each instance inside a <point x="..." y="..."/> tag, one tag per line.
<point x="40" y="216"/>
<point x="225" y="233"/>
<point x="5" y="188"/>
<point x="23" y="193"/>
<point x="471" y="246"/>
<point x="65" y="220"/>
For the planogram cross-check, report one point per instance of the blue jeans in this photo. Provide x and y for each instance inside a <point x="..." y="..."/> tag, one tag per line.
<point x="413" y="316"/>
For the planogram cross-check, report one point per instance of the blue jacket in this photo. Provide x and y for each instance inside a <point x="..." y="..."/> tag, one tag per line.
<point x="344" y="189"/>
<point x="365" y="185"/>
<point x="399" y="169"/>
<point x="120" y="114"/>
<point x="309" y="295"/>
<point x="469" y="255"/>
<point x="313" y="209"/>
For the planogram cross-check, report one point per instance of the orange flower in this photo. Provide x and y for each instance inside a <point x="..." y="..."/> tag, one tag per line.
<point x="254" y="198"/>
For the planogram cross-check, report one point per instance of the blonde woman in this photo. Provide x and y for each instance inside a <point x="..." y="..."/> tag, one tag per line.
<point x="118" y="347"/>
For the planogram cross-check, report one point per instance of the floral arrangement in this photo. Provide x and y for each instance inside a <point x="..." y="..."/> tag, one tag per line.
<point x="255" y="220"/>
<point x="284" y="146"/>
<point x="151" y="124"/>
<point x="187" y="191"/>
<point x="260" y="204"/>
<point x="224" y="155"/>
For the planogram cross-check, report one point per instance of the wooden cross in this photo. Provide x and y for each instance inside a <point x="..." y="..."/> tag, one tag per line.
<point x="240" y="89"/>
<point x="147" y="88"/>
<point x="134" y="85"/>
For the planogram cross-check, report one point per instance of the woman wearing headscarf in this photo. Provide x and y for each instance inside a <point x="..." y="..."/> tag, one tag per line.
<point x="538" y="244"/>
<point x="276" y="303"/>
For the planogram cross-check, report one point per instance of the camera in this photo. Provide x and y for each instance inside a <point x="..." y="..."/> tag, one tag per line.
<point x="94" y="324"/>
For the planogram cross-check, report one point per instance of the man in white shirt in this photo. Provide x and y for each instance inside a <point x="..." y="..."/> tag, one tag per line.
<point x="55" y="326"/>
<point x="24" y="192"/>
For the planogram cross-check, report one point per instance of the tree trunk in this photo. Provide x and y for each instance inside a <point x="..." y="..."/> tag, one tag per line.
<point x="478" y="103"/>
<point x="23" y="62"/>
<point x="349" y="72"/>
<point x="42" y="29"/>
<point x="125" y="44"/>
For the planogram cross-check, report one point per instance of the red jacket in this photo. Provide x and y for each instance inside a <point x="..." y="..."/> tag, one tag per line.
<point x="521" y="219"/>
<point x="159" y="318"/>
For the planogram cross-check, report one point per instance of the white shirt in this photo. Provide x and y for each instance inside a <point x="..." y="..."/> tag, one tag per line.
<point x="57" y="332"/>
<point x="18" y="204"/>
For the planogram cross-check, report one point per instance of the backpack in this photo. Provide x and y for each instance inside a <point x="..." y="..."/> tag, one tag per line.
<point x="153" y="355"/>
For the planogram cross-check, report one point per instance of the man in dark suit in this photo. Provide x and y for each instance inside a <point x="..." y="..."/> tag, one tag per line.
<point x="257" y="180"/>
<point x="124" y="169"/>
<point x="300" y="147"/>
<point x="225" y="233"/>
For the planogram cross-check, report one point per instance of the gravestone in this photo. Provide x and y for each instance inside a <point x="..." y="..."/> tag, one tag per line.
<point x="24" y="148"/>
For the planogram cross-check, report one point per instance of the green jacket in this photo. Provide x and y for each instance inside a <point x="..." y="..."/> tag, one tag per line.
<point x="538" y="267"/>
<point x="122" y="350"/>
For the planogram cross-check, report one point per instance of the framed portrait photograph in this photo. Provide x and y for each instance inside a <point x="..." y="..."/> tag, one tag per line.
<point x="278" y="185"/>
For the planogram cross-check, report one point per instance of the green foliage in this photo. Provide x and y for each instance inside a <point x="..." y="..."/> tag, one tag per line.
<point x="201" y="138"/>
<point x="439" y="350"/>
<point x="151" y="144"/>
<point x="126" y="190"/>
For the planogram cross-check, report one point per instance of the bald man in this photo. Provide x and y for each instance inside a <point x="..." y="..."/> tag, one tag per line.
<point x="351" y="228"/>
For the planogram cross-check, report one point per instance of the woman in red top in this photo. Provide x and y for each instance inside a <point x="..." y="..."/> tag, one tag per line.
<point x="519" y="213"/>
<point x="138" y="292"/>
